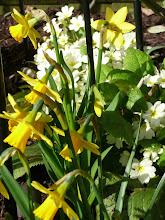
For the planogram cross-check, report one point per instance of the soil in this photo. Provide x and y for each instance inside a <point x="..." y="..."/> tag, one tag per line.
<point x="14" y="56"/>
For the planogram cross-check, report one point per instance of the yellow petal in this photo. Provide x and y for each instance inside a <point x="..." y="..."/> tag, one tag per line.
<point x="91" y="147"/>
<point x="32" y="37"/>
<point x="98" y="108"/>
<point x="108" y="35"/>
<point x="25" y="31"/>
<point x="65" y="154"/>
<point x="47" y="209"/>
<point x="53" y="94"/>
<point x="109" y="14"/>
<point x="126" y="27"/>
<point x="69" y="212"/>
<point x="3" y="191"/>
<point x="13" y="103"/>
<point x="118" y="40"/>
<point x="18" y="17"/>
<point x="28" y="79"/>
<point x="120" y="16"/>
<point x="47" y="118"/>
<point x="39" y="187"/>
<point x="28" y="16"/>
<point x="58" y="130"/>
<point x="16" y="32"/>
<point x="43" y="137"/>
<point x="97" y="24"/>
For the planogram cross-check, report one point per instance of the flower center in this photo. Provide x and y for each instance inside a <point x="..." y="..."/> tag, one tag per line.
<point x="153" y="114"/>
<point x="140" y="169"/>
<point x="72" y="63"/>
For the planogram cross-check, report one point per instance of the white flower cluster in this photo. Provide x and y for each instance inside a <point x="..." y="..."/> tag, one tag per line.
<point x="70" y="33"/>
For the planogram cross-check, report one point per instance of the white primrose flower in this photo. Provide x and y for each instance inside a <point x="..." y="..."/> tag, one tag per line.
<point x="146" y="131"/>
<point x="76" y="23"/>
<point x="65" y="12"/>
<point x="73" y="60"/>
<point x="162" y="78"/>
<point x="155" y="114"/>
<point x="152" y="153"/>
<point x="129" y="40"/>
<point x="63" y="39"/>
<point x="112" y="140"/>
<point x="143" y="170"/>
<point x="96" y="39"/>
<point x="151" y="80"/>
<point x="124" y="157"/>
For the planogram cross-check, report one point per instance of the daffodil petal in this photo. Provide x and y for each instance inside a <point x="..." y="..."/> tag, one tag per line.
<point x="18" y="17"/>
<point x="98" y="108"/>
<point x="108" y="35"/>
<point x="47" y="118"/>
<point x="25" y="31"/>
<point x="97" y="24"/>
<point x="13" y="103"/>
<point x="65" y="154"/>
<point x="16" y="32"/>
<point x="39" y="187"/>
<point x="126" y="27"/>
<point x="36" y="33"/>
<point x="118" y="40"/>
<point x="3" y="191"/>
<point x="109" y="14"/>
<point x="43" y="137"/>
<point x="120" y="16"/>
<point x="53" y="94"/>
<point x="32" y="37"/>
<point x="58" y="131"/>
<point x="69" y="212"/>
<point x="28" y="79"/>
<point x="47" y="128"/>
<point x="28" y="16"/>
<point x="92" y="147"/>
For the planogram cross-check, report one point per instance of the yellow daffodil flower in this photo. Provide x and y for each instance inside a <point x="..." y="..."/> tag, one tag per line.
<point x="116" y="26"/>
<point x="3" y="191"/>
<point x="39" y="86"/>
<point x="48" y="209"/>
<point x="78" y="143"/>
<point x="24" y="28"/>
<point x="26" y="128"/>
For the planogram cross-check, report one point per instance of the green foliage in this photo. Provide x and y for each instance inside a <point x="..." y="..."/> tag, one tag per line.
<point x="108" y="91"/>
<point x="113" y="122"/>
<point x="105" y="70"/>
<point x="161" y="161"/>
<point x="138" y="62"/>
<point x="136" y="101"/>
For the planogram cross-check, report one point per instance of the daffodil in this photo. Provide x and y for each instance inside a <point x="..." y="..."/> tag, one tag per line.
<point x="28" y="127"/>
<point x="3" y="191"/>
<point x="48" y="209"/>
<point x="116" y="26"/>
<point x="99" y="102"/>
<point x="78" y="143"/>
<point x="40" y="86"/>
<point x="24" y="28"/>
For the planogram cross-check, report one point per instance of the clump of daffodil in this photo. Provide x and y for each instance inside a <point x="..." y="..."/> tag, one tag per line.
<point x="24" y="28"/>
<point x="41" y="86"/>
<point x="31" y="126"/>
<point x="3" y="191"/>
<point x="114" y="26"/>
<point x="78" y="144"/>
<point x="48" y="209"/>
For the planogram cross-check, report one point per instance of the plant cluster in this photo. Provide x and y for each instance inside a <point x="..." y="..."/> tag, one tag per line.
<point x="83" y="129"/>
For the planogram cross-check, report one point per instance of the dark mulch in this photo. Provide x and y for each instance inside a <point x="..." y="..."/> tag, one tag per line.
<point x="14" y="57"/>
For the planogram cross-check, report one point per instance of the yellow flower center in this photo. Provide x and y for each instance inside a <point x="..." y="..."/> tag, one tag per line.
<point x="140" y="169"/>
<point x="163" y="80"/>
<point x="54" y="73"/>
<point x="72" y="63"/>
<point x="78" y="25"/>
<point x="153" y="114"/>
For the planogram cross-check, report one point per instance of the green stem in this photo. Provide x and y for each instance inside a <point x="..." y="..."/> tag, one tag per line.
<point x="98" y="70"/>
<point x="159" y="187"/>
<point x="120" y="199"/>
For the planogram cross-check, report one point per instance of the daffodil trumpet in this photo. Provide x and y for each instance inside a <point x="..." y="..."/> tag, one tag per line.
<point x="31" y="126"/>
<point x="24" y="28"/>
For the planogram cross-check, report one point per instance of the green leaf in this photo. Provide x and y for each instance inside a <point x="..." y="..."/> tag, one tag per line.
<point x="153" y="143"/>
<point x="163" y="64"/>
<point x="161" y="161"/>
<point x="17" y="192"/>
<point x="161" y="135"/>
<point x="105" y="70"/>
<point x="138" y="62"/>
<point x="34" y="156"/>
<point x="117" y="126"/>
<point x="119" y="101"/>
<point x="136" y="101"/>
<point x="124" y="79"/>
<point x="108" y="91"/>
